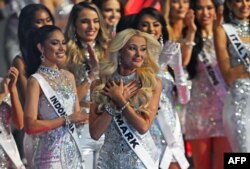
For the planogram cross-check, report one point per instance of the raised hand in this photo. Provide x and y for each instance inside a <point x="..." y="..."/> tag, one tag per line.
<point x="169" y="50"/>
<point x="93" y="59"/>
<point x="219" y="16"/>
<point x="189" y="20"/>
<point x="12" y="75"/>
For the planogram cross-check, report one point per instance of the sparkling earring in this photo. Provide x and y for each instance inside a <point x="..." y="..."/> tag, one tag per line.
<point x="75" y="37"/>
<point x="161" y="40"/>
<point x="230" y="15"/>
<point x="119" y="59"/>
<point x="42" y="57"/>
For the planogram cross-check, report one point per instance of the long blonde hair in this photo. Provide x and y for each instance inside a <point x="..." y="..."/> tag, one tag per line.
<point x="146" y="74"/>
<point x="75" y="51"/>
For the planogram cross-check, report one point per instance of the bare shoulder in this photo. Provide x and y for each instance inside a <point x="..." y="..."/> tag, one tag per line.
<point x="159" y="83"/>
<point x="219" y="31"/>
<point x="32" y="83"/>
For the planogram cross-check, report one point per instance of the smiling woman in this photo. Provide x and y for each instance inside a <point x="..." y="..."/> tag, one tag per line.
<point x="41" y="108"/>
<point x="87" y="41"/>
<point x="112" y="11"/>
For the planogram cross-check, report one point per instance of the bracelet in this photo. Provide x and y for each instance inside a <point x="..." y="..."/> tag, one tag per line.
<point x="110" y="110"/>
<point x="124" y="107"/>
<point x="88" y="80"/>
<point x="66" y="120"/>
<point x="190" y="44"/>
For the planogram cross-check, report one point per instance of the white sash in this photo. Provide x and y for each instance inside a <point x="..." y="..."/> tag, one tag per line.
<point x="134" y="143"/>
<point x="239" y="47"/>
<point x="213" y="75"/>
<point x="172" y="148"/>
<point x="58" y="107"/>
<point x="11" y="150"/>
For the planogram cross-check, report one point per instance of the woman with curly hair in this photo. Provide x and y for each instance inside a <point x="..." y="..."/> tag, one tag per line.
<point x="125" y="101"/>
<point x="87" y="42"/>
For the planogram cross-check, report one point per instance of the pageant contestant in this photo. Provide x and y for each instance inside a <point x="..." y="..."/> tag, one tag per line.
<point x="125" y="101"/>
<point x="52" y="108"/>
<point x="232" y="43"/>
<point x="10" y="110"/>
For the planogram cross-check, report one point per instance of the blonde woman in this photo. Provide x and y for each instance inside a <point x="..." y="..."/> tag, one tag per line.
<point x="87" y="42"/>
<point x="125" y="101"/>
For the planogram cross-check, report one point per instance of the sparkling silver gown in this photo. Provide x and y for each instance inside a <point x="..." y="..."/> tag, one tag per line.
<point x="237" y="110"/>
<point x="56" y="148"/>
<point x="89" y="146"/>
<point x="167" y="109"/>
<point x="204" y="110"/>
<point x="116" y="153"/>
<point x="6" y="136"/>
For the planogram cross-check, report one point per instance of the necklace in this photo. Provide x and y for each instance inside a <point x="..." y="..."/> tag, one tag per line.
<point x="242" y="27"/>
<point x="52" y="73"/>
<point x="57" y="80"/>
<point x="126" y="79"/>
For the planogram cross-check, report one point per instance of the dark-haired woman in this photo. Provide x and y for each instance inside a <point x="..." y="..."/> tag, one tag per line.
<point x="51" y="108"/>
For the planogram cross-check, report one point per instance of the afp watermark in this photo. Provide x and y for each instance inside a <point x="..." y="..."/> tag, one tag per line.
<point x="237" y="161"/>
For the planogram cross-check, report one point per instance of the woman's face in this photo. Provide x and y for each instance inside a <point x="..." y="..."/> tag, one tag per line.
<point x="54" y="48"/>
<point x="42" y="18"/>
<point x="178" y="9"/>
<point x="87" y="25"/>
<point x="150" y="25"/>
<point x="205" y="12"/>
<point x="240" y="8"/>
<point x="133" y="53"/>
<point x="111" y="12"/>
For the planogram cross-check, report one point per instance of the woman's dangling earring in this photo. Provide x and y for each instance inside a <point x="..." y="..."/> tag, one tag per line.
<point x="119" y="59"/>
<point x="161" y="40"/>
<point x="42" y="57"/>
<point x="75" y="37"/>
<point x="230" y="15"/>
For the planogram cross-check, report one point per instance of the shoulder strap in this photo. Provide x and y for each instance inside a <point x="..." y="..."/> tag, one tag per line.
<point x="134" y="143"/>
<point x="58" y="107"/>
<point x="239" y="47"/>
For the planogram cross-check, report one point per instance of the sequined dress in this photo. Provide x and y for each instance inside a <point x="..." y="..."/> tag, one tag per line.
<point x="237" y="110"/>
<point x="116" y="153"/>
<point x="56" y="148"/>
<point x="167" y="104"/>
<point x="89" y="146"/>
<point x="204" y="110"/>
<point x="6" y="136"/>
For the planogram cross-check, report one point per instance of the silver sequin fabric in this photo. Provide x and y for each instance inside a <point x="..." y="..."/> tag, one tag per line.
<point x="237" y="111"/>
<point x="88" y="145"/>
<point x="5" y="133"/>
<point x="204" y="110"/>
<point x="56" y="149"/>
<point x="167" y="109"/>
<point x="116" y="153"/>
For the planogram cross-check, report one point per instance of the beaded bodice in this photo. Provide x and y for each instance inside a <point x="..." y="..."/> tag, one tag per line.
<point x="56" y="148"/>
<point x="60" y="83"/>
<point x="242" y="27"/>
<point x="126" y="79"/>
